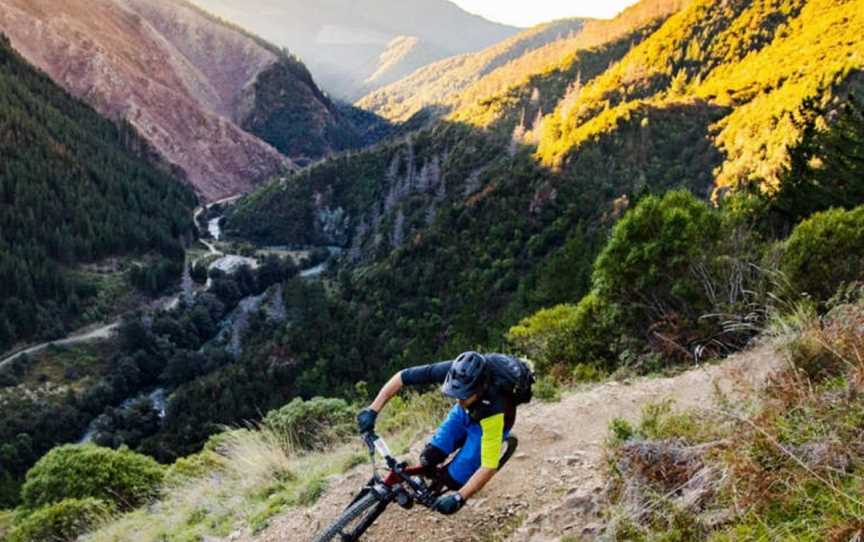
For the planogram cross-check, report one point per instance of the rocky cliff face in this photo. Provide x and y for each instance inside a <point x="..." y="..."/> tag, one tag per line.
<point x="178" y="76"/>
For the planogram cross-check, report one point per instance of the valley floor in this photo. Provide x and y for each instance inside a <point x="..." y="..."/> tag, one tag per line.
<point x="549" y="489"/>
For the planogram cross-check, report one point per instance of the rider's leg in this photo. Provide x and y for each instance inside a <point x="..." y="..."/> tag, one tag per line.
<point x="449" y="436"/>
<point x="467" y="461"/>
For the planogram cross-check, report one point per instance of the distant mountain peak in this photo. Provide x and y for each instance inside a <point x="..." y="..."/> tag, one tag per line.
<point x="350" y="44"/>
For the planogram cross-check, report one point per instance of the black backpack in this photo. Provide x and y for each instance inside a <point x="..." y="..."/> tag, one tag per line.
<point x="512" y="376"/>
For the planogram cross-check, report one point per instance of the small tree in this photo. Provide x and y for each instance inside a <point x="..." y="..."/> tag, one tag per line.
<point x="827" y="167"/>
<point x="646" y="265"/>
<point x="123" y="477"/>
<point x="825" y="251"/>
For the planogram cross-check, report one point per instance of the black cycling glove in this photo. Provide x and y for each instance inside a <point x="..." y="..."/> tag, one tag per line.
<point x="449" y="504"/>
<point x="366" y="420"/>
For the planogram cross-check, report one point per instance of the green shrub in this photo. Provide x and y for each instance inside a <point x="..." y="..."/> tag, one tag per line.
<point x="547" y="390"/>
<point x="123" y="477"/>
<point x="646" y="263"/>
<point x="620" y="431"/>
<point x="825" y="251"/>
<point x="587" y="373"/>
<point x="312" y="424"/>
<point x="62" y="521"/>
<point x="568" y="335"/>
<point x="6" y="519"/>
<point x="195" y="466"/>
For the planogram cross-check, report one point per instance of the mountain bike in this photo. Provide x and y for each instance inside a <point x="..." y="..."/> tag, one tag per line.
<point x="401" y="484"/>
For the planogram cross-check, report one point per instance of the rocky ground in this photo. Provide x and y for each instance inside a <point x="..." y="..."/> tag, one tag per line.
<point x="550" y="488"/>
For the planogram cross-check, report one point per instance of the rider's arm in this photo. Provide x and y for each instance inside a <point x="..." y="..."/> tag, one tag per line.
<point x="476" y="482"/>
<point x="415" y="376"/>
<point x="490" y="454"/>
<point x="390" y="389"/>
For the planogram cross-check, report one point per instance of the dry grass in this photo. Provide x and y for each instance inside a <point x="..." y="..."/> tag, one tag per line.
<point x="790" y="469"/>
<point x="242" y="465"/>
<point x="246" y="476"/>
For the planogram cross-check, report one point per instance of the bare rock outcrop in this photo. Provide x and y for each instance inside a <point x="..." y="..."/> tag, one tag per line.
<point x="171" y="71"/>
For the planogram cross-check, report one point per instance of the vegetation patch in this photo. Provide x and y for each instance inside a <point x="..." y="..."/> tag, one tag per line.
<point x="825" y="251"/>
<point x="789" y="466"/>
<point x="122" y="477"/>
<point x="314" y="424"/>
<point x="63" y="521"/>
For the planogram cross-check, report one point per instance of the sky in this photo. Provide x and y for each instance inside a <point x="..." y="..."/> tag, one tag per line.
<point x="526" y="13"/>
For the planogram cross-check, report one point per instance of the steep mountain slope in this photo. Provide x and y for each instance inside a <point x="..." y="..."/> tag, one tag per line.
<point x="536" y="82"/>
<point x="151" y="63"/>
<point x="354" y="47"/>
<point x="455" y="232"/>
<point x="466" y="80"/>
<point x="436" y="82"/>
<point x="72" y="190"/>
<point x="762" y="59"/>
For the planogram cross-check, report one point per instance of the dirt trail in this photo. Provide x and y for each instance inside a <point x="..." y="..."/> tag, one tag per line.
<point x="545" y="492"/>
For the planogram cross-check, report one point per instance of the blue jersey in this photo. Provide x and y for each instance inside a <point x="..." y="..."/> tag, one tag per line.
<point x="477" y="432"/>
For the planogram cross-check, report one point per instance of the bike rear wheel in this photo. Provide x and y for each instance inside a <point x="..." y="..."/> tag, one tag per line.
<point x="355" y="517"/>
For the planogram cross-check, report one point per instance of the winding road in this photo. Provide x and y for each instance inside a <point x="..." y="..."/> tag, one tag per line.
<point x="107" y="330"/>
<point x="99" y="333"/>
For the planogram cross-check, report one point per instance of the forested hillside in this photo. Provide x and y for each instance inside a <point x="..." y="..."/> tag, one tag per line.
<point x="471" y="80"/>
<point x="656" y="191"/>
<point x="459" y="230"/>
<point x="75" y="188"/>
<point x="442" y="81"/>
<point x="761" y="59"/>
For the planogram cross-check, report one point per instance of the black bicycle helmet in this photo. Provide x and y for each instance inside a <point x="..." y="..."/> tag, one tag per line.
<point x="465" y="376"/>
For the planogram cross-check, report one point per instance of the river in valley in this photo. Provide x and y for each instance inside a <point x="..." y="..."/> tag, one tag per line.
<point x="235" y="323"/>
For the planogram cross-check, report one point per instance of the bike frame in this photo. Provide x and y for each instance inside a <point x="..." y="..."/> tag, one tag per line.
<point x="402" y="484"/>
<point x="401" y="480"/>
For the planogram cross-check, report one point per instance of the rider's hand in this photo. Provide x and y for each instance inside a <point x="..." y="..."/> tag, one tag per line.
<point x="366" y="420"/>
<point x="449" y="504"/>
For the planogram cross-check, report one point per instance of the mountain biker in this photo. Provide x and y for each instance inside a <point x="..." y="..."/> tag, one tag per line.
<point x="476" y="426"/>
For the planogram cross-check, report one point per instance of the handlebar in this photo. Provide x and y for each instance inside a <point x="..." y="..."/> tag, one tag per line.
<point x="377" y="444"/>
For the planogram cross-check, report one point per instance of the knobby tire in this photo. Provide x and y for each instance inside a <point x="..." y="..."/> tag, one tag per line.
<point x="334" y="532"/>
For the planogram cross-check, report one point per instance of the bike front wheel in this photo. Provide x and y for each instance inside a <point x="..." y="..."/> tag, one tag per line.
<point x="354" y="520"/>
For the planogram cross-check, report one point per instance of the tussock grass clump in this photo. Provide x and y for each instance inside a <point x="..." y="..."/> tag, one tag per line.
<point x="789" y="468"/>
<point x="212" y="492"/>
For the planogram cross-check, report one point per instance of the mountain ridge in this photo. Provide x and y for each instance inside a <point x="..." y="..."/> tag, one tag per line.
<point x="351" y="46"/>
<point x="151" y="63"/>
